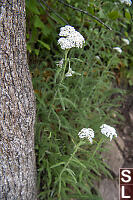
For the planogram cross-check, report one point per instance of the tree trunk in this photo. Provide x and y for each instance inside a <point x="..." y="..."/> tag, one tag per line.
<point x="17" y="107"/>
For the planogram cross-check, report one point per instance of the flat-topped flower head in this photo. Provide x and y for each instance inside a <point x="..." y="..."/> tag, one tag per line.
<point x="71" y="38"/>
<point x="108" y="131"/>
<point x="87" y="133"/>
<point x="77" y="39"/>
<point x="65" y="43"/>
<point x="128" y="2"/>
<point x="66" y="31"/>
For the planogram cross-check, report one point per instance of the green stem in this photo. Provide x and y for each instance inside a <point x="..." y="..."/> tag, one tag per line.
<point x="72" y="155"/>
<point x="65" y="64"/>
<point x="97" y="148"/>
<point x="62" y="78"/>
<point x="69" y="160"/>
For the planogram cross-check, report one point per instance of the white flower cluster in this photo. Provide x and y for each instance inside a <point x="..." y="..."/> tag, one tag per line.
<point x="88" y="133"/>
<point x="108" y="131"/>
<point x="128" y="2"/>
<point x="71" y="38"/>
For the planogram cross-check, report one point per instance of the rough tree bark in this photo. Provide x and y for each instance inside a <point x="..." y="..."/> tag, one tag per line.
<point x="17" y="107"/>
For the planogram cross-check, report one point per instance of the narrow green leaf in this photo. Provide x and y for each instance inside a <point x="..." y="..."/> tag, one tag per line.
<point x="69" y="102"/>
<point x="71" y="173"/>
<point x="76" y="59"/>
<point x="57" y="74"/>
<point x="78" y="162"/>
<point x="58" y="164"/>
<point x="64" y="87"/>
<point x="49" y="174"/>
<point x="44" y="44"/>
<point x="57" y="118"/>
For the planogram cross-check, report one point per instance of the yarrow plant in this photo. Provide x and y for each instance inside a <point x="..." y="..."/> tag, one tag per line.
<point x="86" y="133"/>
<point x="70" y="38"/>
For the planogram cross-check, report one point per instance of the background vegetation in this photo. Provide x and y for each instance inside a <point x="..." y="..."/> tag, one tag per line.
<point x="66" y="165"/>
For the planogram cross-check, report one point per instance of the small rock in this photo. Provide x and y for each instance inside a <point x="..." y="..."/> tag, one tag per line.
<point x="109" y="189"/>
<point x="113" y="157"/>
